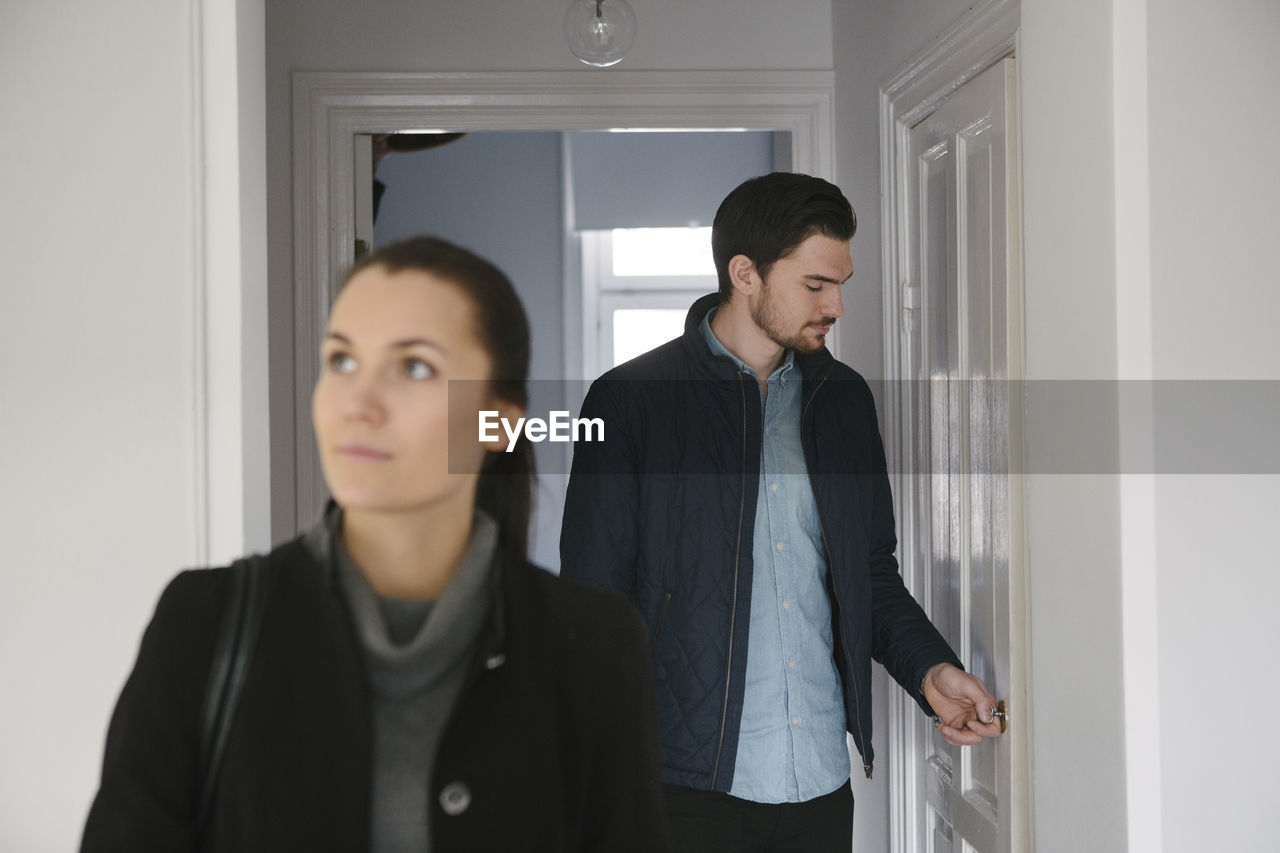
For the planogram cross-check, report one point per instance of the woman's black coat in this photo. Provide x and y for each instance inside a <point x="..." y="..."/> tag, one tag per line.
<point x="553" y="737"/>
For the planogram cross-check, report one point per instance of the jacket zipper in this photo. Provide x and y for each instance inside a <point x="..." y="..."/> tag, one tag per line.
<point x="657" y="625"/>
<point x="831" y="568"/>
<point x="737" y="560"/>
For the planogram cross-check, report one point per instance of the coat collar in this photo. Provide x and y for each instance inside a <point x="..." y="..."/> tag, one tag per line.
<point x="319" y="542"/>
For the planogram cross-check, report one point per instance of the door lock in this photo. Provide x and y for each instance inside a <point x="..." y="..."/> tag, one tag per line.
<point x="1003" y="713"/>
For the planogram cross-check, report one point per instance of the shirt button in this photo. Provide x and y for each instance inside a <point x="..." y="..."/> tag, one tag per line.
<point x="795" y="721"/>
<point x="793" y="664"/>
<point x="773" y="487"/>
<point x="786" y="605"/>
<point x="455" y="798"/>
<point x="779" y="546"/>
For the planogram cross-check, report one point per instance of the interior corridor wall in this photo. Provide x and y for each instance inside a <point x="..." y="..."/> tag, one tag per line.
<point x="97" y="442"/>
<point x="1214" y="304"/>
<point x="1147" y="233"/>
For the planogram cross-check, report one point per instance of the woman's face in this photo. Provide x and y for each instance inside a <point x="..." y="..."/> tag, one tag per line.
<point x="383" y="408"/>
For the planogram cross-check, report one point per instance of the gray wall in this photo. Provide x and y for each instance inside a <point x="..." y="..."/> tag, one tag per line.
<point x="499" y="194"/>
<point x="673" y="180"/>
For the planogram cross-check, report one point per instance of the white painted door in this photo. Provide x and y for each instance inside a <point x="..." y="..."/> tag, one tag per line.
<point x="963" y="348"/>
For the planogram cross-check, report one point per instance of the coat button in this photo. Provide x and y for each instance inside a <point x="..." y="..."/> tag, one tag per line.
<point x="455" y="798"/>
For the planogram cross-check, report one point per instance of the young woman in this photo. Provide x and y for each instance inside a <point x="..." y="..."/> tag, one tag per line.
<point x="415" y="683"/>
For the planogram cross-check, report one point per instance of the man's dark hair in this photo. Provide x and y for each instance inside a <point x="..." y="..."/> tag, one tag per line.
<point x="765" y="218"/>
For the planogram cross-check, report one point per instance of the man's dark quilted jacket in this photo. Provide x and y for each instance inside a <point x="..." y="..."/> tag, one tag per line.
<point x="663" y="510"/>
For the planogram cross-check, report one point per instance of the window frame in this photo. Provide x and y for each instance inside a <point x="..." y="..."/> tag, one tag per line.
<point x="603" y="292"/>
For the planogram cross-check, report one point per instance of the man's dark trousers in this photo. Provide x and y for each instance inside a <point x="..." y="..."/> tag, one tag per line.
<point x="711" y="822"/>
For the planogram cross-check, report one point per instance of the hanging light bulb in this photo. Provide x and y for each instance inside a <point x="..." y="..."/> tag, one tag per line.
<point x="600" y="32"/>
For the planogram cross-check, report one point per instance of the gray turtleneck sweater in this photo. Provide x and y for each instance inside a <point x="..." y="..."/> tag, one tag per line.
<point x="416" y="655"/>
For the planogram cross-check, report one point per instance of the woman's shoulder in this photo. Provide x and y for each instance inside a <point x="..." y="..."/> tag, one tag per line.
<point x="193" y="591"/>
<point x="203" y="589"/>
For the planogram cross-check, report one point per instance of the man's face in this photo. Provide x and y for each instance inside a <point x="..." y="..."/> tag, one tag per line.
<point x="799" y="300"/>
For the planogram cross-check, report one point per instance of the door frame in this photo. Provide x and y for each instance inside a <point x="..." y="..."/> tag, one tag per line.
<point x="330" y="108"/>
<point x="986" y="35"/>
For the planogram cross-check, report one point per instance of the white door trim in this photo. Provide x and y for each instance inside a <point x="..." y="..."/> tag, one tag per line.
<point x="329" y="108"/>
<point x="983" y="37"/>
<point x="229" y="299"/>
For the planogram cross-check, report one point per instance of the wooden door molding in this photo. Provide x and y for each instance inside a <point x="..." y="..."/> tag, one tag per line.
<point x="329" y="108"/>
<point x="979" y="40"/>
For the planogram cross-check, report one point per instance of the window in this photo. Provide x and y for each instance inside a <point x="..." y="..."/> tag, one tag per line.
<point x="661" y="252"/>
<point x="638" y="284"/>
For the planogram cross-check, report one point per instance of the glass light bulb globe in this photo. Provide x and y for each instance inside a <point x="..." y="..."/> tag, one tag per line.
<point x="600" y="32"/>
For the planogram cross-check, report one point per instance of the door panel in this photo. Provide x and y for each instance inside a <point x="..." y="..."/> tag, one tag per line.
<point x="962" y="251"/>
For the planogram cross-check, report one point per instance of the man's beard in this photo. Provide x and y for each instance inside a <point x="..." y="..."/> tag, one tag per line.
<point x="766" y="319"/>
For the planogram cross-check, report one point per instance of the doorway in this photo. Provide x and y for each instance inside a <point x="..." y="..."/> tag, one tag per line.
<point x="580" y="221"/>
<point x="332" y="111"/>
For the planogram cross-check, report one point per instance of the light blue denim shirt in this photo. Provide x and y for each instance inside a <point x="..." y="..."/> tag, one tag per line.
<point x="791" y="743"/>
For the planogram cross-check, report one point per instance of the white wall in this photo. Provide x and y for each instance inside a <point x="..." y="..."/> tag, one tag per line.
<point x="97" y="442"/>
<point x="1148" y="223"/>
<point x="1215" y="294"/>
<point x="1073" y="521"/>
<point x="435" y="35"/>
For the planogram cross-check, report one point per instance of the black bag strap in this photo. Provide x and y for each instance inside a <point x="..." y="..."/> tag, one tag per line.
<point x="232" y="653"/>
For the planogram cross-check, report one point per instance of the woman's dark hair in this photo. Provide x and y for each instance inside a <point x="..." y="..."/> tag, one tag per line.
<point x="765" y="218"/>
<point x="505" y="490"/>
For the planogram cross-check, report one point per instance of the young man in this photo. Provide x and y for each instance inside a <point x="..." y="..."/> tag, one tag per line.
<point x="741" y="500"/>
